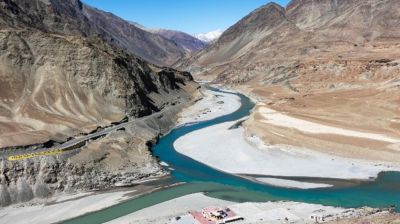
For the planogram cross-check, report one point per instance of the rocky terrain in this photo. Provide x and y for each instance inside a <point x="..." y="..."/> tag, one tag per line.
<point x="330" y="62"/>
<point x="60" y="77"/>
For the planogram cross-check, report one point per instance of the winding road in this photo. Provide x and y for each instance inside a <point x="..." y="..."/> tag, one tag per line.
<point x="15" y="155"/>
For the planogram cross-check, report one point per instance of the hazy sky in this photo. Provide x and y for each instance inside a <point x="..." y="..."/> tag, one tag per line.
<point x="191" y="16"/>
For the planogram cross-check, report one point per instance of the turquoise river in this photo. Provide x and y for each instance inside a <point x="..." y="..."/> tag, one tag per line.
<point x="382" y="192"/>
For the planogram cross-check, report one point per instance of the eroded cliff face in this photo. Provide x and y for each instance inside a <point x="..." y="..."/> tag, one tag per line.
<point x="59" y="79"/>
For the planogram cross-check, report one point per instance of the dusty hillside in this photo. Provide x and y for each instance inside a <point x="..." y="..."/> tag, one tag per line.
<point x="329" y="62"/>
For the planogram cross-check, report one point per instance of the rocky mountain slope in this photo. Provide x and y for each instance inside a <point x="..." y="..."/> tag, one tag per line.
<point x="335" y="62"/>
<point x="151" y="46"/>
<point x="188" y="42"/>
<point x="74" y="17"/>
<point x="306" y="29"/>
<point x="60" y="77"/>
<point x="53" y="71"/>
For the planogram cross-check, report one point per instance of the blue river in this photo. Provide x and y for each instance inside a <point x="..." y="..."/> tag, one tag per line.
<point x="381" y="192"/>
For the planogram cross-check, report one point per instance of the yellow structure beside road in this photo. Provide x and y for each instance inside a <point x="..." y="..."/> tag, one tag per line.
<point x="35" y="154"/>
<point x="51" y="152"/>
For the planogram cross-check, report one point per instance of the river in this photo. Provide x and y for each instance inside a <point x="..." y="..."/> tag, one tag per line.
<point x="382" y="192"/>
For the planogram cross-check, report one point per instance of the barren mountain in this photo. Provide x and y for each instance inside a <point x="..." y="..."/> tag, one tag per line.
<point x="54" y="80"/>
<point x="60" y="78"/>
<point x="188" y="42"/>
<point x="335" y="62"/>
<point x="306" y="29"/>
<point x="151" y="46"/>
<point x="74" y="17"/>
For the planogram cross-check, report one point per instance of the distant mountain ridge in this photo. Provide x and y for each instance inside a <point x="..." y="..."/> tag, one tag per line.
<point x="188" y="42"/>
<point x="150" y="46"/>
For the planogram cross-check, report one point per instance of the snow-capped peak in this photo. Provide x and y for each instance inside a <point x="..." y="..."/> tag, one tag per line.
<point x="210" y="36"/>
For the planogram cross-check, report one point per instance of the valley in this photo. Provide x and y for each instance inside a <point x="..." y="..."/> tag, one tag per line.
<point x="290" y="115"/>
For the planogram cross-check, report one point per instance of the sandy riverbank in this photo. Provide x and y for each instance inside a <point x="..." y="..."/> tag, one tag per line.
<point x="232" y="151"/>
<point x="291" y="183"/>
<point x="210" y="105"/>
<point x="236" y="151"/>
<point x="176" y="211"/>
<point x="66" y="206"/>
<point x="62" y="207"/>
<point x="167" y="211"/>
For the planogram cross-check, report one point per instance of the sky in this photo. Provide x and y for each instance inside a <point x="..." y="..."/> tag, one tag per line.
<point x="190" y="16"/>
